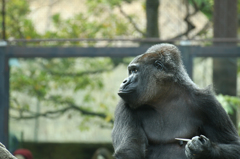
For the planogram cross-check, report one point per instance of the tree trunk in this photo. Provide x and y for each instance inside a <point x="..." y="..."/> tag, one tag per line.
<point x="225" y="69"/>
<point x="152" y="18"/>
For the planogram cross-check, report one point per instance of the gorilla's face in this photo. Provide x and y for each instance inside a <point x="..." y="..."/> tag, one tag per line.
<point x="129" y="84"/>
<point x="151" y="75"/>
<point x="145" y="82"/>
<point x="128" y="90"/>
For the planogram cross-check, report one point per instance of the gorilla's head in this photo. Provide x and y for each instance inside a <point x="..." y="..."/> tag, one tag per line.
<point x="153" y="75"/>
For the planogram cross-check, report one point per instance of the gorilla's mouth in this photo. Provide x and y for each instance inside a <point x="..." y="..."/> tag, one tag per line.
<point x="126" y="89"/>
<point x="122" y="91"/>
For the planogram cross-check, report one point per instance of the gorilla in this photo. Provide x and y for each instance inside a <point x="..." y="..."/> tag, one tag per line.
<point x="159" y="103"/>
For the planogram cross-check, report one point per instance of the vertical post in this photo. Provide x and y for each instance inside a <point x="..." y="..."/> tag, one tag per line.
<point x="3" y="21"/>
<point x="4" y="96"/>
<point x="187" y="57"/>
<point x="152" y="18"/>
<point x="36" y="126"/>
<point x="225" y="69"/>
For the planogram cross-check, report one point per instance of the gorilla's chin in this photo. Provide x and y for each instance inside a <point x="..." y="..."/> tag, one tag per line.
<point x="124" y="95"/>
<point x="128" y="96"/>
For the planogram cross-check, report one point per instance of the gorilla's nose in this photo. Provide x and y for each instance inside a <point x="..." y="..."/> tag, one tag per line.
<point x="125" y="81"/>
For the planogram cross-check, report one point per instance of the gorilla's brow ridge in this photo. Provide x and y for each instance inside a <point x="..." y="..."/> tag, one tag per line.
<point x="153" y="55"/>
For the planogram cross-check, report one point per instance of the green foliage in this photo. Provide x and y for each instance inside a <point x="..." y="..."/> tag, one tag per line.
<point x="101" y="5"/>
<point x="80" y="27"/>
<point x="229" y="103"/>
<point x="53" y="81"/>
<point x="206" y="6"/>
<point x="238" y="65"/>
<point x="18" y="25"/>
<point x="47" y="74"/>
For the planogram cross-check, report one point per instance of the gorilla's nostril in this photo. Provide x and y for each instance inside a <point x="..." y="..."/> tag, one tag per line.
<point x="125" y="81"/>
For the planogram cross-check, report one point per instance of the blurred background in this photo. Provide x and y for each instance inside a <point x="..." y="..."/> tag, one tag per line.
<point x="64" y="107"/>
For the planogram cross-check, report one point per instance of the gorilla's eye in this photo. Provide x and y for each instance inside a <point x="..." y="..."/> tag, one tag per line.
<point x="159" y="65"/>
<point x="134" y="70"/>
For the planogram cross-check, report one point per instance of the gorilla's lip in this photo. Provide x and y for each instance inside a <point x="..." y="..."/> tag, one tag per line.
<point x="122" y="91"/>
<point x="126" y="89"/>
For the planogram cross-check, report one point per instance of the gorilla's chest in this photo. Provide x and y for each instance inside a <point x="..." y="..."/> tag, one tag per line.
<point x="162" y="127"/>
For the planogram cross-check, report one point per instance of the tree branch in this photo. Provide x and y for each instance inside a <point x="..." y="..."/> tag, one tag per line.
<point x="131" y="21"/>
<point x="190" y="25"/>
<point x="78" y="74"/>
<point x="205" y="27"/>
<point x="51" y="4"/>
<point x="57" y="113"/>
<point x="37" y="115"/>
<point x="17" y="27"/>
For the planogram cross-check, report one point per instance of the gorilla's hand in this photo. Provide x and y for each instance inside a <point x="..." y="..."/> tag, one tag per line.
<point x="198" y="147"/>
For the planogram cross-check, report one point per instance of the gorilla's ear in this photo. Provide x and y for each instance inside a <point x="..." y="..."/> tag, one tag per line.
<point x="159" y="65"/>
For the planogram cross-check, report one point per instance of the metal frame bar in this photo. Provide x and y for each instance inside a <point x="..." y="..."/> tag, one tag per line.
<point x="137" y="40"/>
<point x="60" y="52"/>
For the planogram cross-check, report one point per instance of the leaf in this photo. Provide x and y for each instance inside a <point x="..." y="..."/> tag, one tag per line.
<point x="229" y="103"/>
<point x="108" y="118"/>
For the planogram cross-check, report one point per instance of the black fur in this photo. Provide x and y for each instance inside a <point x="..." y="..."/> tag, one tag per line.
<point x="160" y="103"/>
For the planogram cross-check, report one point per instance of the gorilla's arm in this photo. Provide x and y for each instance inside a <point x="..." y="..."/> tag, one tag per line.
<point x="220" y="140"/>
<point x="129" y="140"/>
